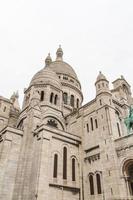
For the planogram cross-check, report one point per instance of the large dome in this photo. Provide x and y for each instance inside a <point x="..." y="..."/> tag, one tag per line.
<point x="61" y="67"/>
<point x="46" y="76"/>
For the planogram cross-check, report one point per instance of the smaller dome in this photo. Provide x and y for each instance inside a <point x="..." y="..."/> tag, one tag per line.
<point x="46" y="76"/>
<point x="101" y="77"/>
<point x="59" y="54"/>
<point x="48" y="60"/>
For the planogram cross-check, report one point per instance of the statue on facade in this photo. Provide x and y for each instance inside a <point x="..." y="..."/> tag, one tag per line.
<point x="129" y="120"/>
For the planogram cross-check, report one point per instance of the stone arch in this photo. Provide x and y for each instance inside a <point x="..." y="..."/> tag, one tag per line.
<point x="20" y="123"/>
<point x="118" y="116"/>
<point x="50" y="117"/>
<point x="74" y="168"/>
<point x="91" y="183"/>
<point x="55" y="165"/>
<point x="73" y="156"/>
<point x="55" y="152"/>
<point x="125" y="164"/>
<point x="66" y="145"/>
<point x="42" y="96"/>
<point x="72" y="100"/>
<point x="118" y="111"/>
<point x="65" y="161"/>
<point x="65" y="97"/>
<point x="127" y="174"/>
<point x="55" y="172"/>
<point x="99" y="182"/>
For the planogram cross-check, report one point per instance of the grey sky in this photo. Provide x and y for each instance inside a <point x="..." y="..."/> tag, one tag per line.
<point x="95" y="35"/>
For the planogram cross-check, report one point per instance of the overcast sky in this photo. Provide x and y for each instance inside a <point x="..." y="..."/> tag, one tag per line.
<point x="96" y="35"/>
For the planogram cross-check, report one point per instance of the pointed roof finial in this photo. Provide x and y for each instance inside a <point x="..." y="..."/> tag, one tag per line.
<point x="122" y="77"/>
<point x="17" y="94"/>
<point x="14" y="96"/>
<point x="59" y="54"/>
<point x="48" y="60"/>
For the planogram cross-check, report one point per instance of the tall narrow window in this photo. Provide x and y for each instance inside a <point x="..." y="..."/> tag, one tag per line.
<point x="4" y="109"/>
<point x="91" y="184"/>
<point x="51" y="97"/>
<point x="73" y="169"/>
<point x="42" y="96"/>
<point x="55" y="99"/>
<point x="87" y="125"/>
<point x="91" y="120"/>
<point x="77" y="103"/>
<point x="96" y="124"/>
<point x="55" y="166"/>
<point x="65" y="97"/>
<point x="99" y="190"/>
<point x="64" y="163"/>
<point x="118" y="127"/>
<point x="72" y="101"/>
<point x="100" y="102"/>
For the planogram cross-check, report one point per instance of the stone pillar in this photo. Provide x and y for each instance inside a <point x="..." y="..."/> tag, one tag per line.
<point x="8" y="161"/>
<point x="44" y="169"/>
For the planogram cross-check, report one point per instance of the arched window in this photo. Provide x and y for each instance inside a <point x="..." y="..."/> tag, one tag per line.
<point x="96" y="124"/>
<point x="118" y="127"/>
<point x="91" y="184"/>
<point x="128" y="174"/>
<point x="4" y="109"/>
<point x="72" y="101"/>
<point x="21" y="126"/>
<point x="55" y="99"/>
<point x="118" y="124"/>
<point x="73" y="169"/>
<point x="64" y="163"/>
<point x="125" y="89"/>
<point x="98" y="179"/>
<point x="55" y="166"/>
<point x="87" y="125"/>
<point x="100" y="102"/>
<point x="77" y="103"/>
<point x="42" y="96"/>
<point x="51" y="97"/>
<point x="65" y="97"/>
<point x="91" y="120"/>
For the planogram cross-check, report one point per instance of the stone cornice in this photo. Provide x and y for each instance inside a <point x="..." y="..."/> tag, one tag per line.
<point x="58" y="132"/>
<point x="92" y="158"/>
<point x="65" y="187"/>
<point x="41" y="85"/>
<point x="12" y="130"/>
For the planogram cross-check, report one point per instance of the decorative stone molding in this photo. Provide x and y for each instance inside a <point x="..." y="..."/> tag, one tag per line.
<point x="92" y="158"/>
<point x="121" y="150"/>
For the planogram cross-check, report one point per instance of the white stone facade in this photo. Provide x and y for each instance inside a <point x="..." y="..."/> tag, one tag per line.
<point x="55" y="148"/>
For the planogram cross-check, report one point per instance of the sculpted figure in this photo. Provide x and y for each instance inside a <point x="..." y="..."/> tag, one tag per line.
<point x="129" y="120"/>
